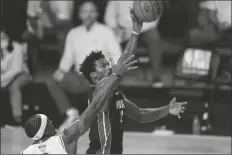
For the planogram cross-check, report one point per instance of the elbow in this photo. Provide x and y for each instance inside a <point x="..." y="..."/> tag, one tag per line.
<point x="15" y="72"/>
<point x="140" y="118"/>
<point x="144" y="117"/>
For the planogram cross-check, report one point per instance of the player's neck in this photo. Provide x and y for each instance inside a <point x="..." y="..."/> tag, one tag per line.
<point x="41" y="140"/>
<point x="89" y="26"/>
<point x="45" y="138"/>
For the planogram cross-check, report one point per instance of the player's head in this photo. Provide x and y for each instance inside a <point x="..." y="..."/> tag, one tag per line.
<point x="39" y="127"/>
<point x="88" y="12"/>
<point x="95" y="67"/>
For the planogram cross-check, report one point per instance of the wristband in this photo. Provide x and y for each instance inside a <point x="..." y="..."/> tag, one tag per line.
<point x="116" y="75"/>
<point x="136" y="33"/>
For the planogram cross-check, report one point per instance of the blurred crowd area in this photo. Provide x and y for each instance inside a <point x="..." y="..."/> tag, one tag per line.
<point x="193" y="37"/>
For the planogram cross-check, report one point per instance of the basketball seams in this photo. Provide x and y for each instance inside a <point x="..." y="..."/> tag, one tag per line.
<point x="159" y="8"/>
<point x="142" y="11"/>
<point x="153" y="10"/>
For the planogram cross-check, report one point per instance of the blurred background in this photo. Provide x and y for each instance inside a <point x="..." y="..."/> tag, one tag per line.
<point x="185" y="54"/>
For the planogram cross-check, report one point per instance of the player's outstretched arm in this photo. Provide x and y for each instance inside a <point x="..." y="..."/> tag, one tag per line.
<point x="101" y="94"/>
<point x="152" y="114"/>
<point x="132" y="43"/>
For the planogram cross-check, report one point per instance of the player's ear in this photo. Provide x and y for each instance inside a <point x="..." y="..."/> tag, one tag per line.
<point x="93" y="75"/>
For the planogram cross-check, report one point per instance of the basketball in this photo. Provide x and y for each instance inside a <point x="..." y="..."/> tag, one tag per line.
<point x="148" y="11"/>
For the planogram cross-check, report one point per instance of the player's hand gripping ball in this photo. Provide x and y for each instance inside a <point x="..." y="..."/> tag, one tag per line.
<point x="148" y="11"/>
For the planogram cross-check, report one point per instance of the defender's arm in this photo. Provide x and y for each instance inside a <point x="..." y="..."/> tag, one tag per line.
<point x="82" y="124"/>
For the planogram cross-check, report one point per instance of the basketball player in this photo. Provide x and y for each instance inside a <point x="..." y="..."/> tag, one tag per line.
<point x="106" y="134"/>
<point x="40" y="129"/>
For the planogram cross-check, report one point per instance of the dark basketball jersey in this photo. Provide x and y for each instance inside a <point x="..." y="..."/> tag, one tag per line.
<point x="106" y="133"/>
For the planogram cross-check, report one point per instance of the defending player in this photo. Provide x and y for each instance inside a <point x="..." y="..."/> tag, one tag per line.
<point x="106" y="133"/>
<point x="41" y="130"/>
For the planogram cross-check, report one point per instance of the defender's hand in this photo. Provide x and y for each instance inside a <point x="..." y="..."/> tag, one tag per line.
<point x="176" y="108"/>
<point x="122" y="67"/>
<point x="137" y="24"/>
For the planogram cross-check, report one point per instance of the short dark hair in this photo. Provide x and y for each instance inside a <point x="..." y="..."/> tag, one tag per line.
<point x="88" y="65"/>
<point x="32" y="125"/>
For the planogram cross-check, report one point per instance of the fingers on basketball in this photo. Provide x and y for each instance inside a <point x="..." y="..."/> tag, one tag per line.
<point x="148" y="11"/>
<point x="132" y="14"/>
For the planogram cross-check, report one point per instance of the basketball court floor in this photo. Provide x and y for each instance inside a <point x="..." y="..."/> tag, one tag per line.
<point x="13" y="141"/>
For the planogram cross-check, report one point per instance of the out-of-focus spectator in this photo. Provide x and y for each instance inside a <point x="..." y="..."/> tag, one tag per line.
<point x="89" y="36"/>
<point x="15" y="23"/>
<point x="214" y="22"/>
<point x="44" y="14"/>
<point x="117" y="16"/>
<point x="48" y="14"/>
<point x="13" y="18"/>
<point x="214" y="19"/>
<point x="14" y="74"/>
<point x="101" y="5"/>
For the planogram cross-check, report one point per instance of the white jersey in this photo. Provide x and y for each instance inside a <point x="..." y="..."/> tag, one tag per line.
<point x="54" y="145"/>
